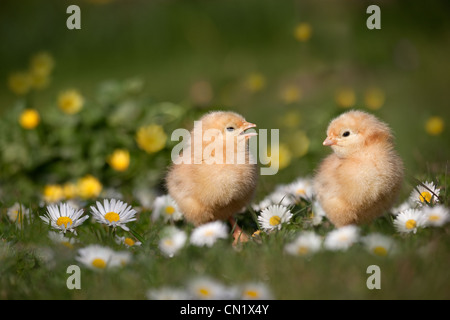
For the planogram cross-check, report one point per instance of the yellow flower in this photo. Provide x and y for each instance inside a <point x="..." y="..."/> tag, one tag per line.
<point x="299" y="143"/>
<point x="53" y="193"/>
<point x="42" y="64"/>
<point x="345" y="97"/>
<point x="89" y="187"/>
<point x="303" y="32"/>
<point x="20" y="82"/>
<point x="291" y="94"/>
<point x="290" y="119"/>
<point x="151" y="138"/>
<point x="434" y="126"/>
<point x="282" y="159"/>
<point x="29" y="119"/>
<point x="70" y="190"/>
<point x="374" y="98"/>
<point x="256" y="82"/>
<point x="119" y="160"/>
<point x="70" y="101"/>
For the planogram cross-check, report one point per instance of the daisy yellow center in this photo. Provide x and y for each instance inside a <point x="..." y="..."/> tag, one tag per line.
<point x="99" y="263"/>
<point x="301" y="191"/>
<point x="252" y="294"/>
<point x="169" y="210"/>
<point x="425" y="196"/>
<point x="380" y="251"/>
<point x="67" y="244"/>
<point x="129" y="242"/>
<point x="168" y="242"/>
<point x="434" y="217"/>
<point x="302" y="250"/>
<point x="204" y="291"/>
<point x="64" y="221"/>
<point x="410" y="224"/>
<point x="274" y="221"/>
<point x="209" y="233"/>
<point x="112" y="217"/>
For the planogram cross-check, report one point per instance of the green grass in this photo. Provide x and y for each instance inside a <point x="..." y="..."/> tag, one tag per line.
<point x="168" y="46"/>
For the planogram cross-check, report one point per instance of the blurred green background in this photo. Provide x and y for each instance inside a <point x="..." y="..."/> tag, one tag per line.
<point x="245" y="56"/>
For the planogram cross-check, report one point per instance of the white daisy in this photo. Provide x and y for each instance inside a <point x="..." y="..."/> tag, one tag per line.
<point x="172" y="241"/>
<point x="425" y="193"/>
<point x="164" y="206"/>
<point x="273" y="217"/>
<point x="255" y="291"/>
<point x="62" y="239"/>
<point x="378" y="244"/>
<point x="317" y="214"/>
<point x="205" y="288"/>
<point x="409" y="220"/>
<point x="167" y="293"/>
<point x="305" y="244"/>
<point x="97" y="257"/>
<point x="65" y="218"/>
<point x="209" y="233"/>
<point x="18" y="213"/>
<point x="436" y="216"/>
<point x="281" y="196"/>
<point x="400" y="208"/>
<point x="127" y="241"/>
<point x="113" y="213"/>
<point x="341" y="238"/>
<point x="301" y="189"/>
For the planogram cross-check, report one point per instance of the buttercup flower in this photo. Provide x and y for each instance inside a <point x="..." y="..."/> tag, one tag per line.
<point x="303" y="32"/>
<point x="20" y="82"/>
<point x="114" y="213"/>
<point x="374" y="98"/>
<point x="29" y="119"/>
<point x="119" y="160"/>
<point x="273" y="217"/>
<point x="64" y="218"/>
<point x="151" y="138"/>
<point x="255" y="82"/>
<point x="42" y="63"/>
<point x="53" y="193"/>
<point x="434" y="126"/>
<point x="70" y="101"/>
<point x="89" y="187"/>
<point x="345" y="98"/>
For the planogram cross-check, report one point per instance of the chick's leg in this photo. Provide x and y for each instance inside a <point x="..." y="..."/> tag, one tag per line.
<point x="238" y="233"/>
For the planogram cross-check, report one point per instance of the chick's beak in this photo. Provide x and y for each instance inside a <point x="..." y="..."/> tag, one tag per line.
<point x="245" y="126"/>
<point x="329" y="141"/>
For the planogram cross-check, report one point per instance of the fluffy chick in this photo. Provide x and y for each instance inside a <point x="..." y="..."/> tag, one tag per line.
<point x="207" y="188"/>
<point x="362" y="178"/>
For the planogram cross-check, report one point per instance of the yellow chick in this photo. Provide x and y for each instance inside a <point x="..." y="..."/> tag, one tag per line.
<point x="362" y="178"/>
<point x="220" y="176"/>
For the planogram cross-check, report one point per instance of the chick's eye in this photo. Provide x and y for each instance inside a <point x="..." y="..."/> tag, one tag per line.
<point x="230" y="129"/>
<point x="346" y="134"/>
